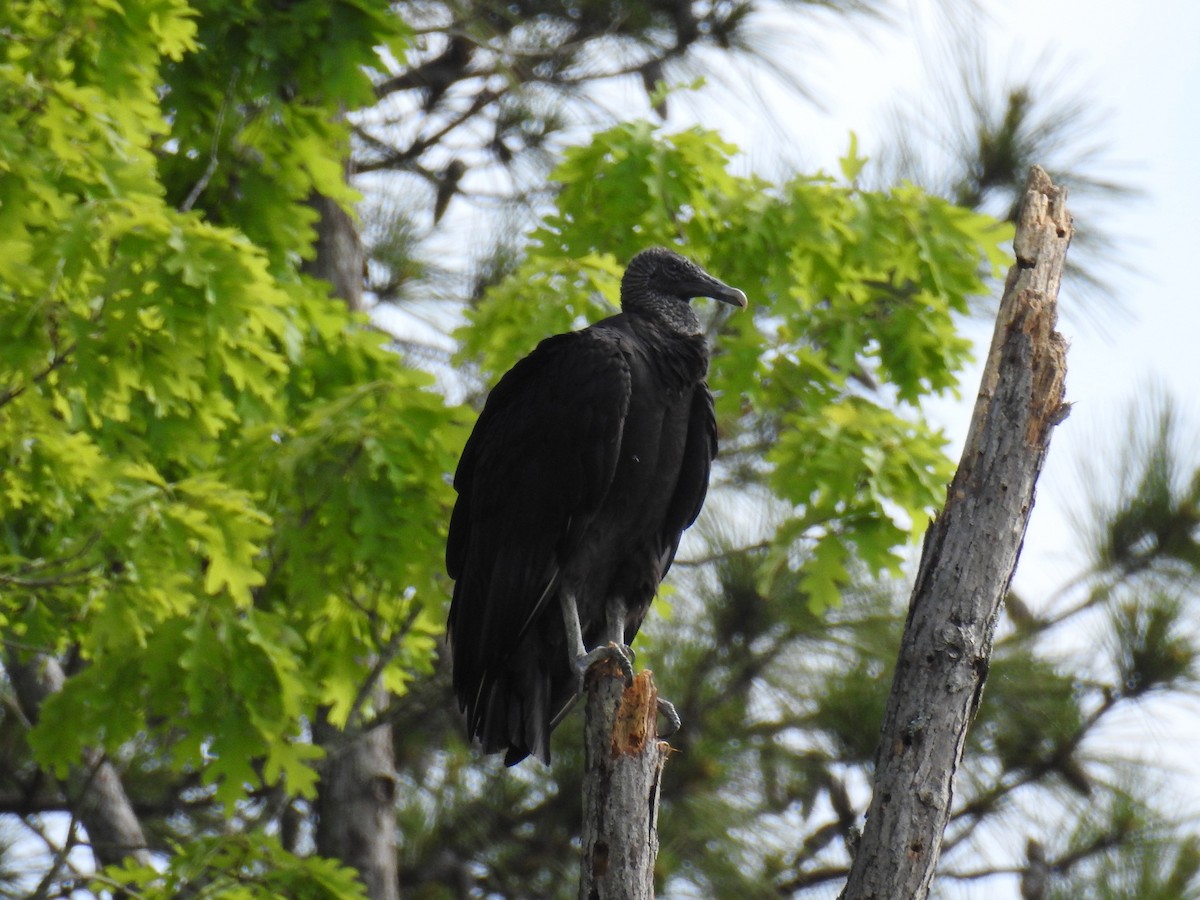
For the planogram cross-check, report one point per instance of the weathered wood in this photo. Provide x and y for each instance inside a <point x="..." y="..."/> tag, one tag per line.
<point x="969" y="556"/>
<point x="623" y="763"/>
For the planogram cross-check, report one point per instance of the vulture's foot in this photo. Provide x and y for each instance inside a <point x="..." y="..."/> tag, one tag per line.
<point x="621" y="654"/>
<point x="667" y="708"/>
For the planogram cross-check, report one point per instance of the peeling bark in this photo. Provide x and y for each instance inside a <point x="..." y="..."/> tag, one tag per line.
<point x="969" y="556"/>
<point x="623" y="763"/>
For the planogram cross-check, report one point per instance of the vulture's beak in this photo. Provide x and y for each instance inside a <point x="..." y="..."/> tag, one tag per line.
<point x="730" y="295"/>
<point x="707" y="286"/>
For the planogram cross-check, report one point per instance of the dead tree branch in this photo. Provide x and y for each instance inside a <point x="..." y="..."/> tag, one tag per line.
<point x="969" y="556"/>
<point x="623" y="762"/>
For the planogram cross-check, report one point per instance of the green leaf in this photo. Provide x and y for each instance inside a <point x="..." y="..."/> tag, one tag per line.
<point x="824" y="574"/>
<point x="852" y="164"/>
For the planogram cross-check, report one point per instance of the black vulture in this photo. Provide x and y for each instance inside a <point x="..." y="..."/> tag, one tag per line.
<point x="590" y="458"/>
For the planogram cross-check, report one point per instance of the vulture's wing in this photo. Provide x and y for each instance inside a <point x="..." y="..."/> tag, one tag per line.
<point x="690" y="490"/>
<point x="536" y="467"/>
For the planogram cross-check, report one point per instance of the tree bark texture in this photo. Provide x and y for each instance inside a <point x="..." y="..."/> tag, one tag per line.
<point x="339" y="252"/>
<point x="968" y="559"/>
<point x="623" y="763"/>
<point x="356" y="821"/>
<point x="93" y="790"/>
<point x="356" y="816"/>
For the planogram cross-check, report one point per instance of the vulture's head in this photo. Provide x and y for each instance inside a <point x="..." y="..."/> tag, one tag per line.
<point x="657" y="278"/>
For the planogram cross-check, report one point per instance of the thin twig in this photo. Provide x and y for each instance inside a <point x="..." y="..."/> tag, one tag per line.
<point x="59" y="360"/>
<point x="213" y="156"/>
<point x="384" y="658"/>
<point x="397" y="158"/>
<point x="60" y="853"/>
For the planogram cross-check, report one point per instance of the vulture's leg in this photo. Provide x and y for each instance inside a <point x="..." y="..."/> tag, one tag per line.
<point x="581" y="658"/>
<point x="614" y="627"/>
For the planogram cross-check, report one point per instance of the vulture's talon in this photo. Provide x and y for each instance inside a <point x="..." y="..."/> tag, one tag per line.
<point x="667" y="708"/>
<point x="618" y="653"/>
<point x="623" y="657"/>
<point x="630" y="655"/>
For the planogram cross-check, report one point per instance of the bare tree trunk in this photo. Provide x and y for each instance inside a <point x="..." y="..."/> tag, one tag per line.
<point x="339" y="252"/>
<point x="623" y="762"/>
<point x="356" y="817"/>
<point x="969" y="556"/>
<point x="93" y="790"/>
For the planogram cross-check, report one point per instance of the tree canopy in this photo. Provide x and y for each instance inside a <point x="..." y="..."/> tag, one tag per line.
<point x="206" y="460"/>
